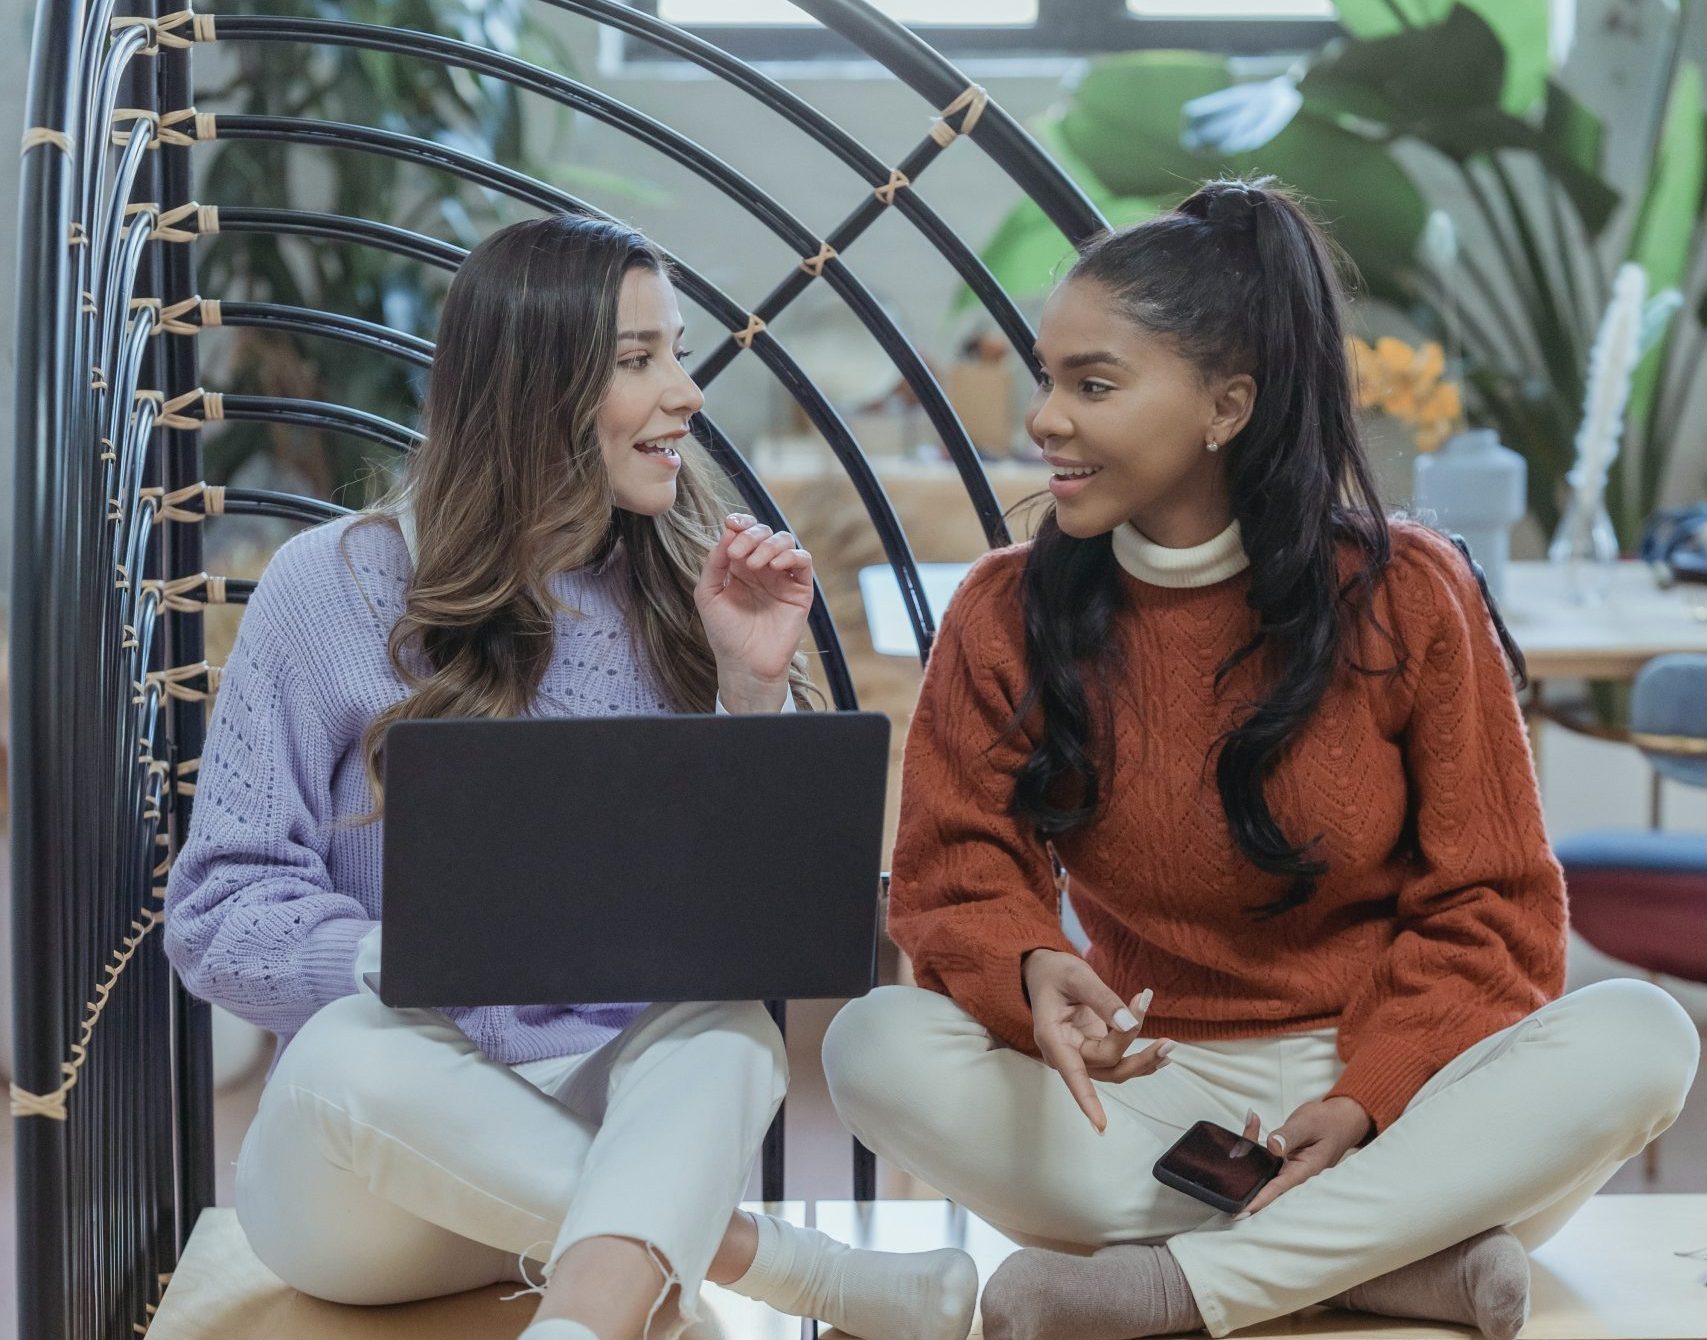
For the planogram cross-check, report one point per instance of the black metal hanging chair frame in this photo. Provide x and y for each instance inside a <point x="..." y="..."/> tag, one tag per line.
<point x="112" y="1087"/>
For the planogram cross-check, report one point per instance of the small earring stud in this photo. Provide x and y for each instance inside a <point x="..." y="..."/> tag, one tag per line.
<point x="1212" y="445"/>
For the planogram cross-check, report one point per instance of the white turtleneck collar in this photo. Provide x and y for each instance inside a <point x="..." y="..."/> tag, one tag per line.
<point x="1201" y="565"/>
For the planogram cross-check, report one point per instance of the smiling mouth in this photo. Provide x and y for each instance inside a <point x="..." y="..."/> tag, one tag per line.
<point x="659" y="447"/>
<point x="1079" y="472"/>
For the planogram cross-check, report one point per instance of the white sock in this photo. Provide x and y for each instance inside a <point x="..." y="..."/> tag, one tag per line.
<point x="558" y="1328"/>
<point x="880" y="1295"/>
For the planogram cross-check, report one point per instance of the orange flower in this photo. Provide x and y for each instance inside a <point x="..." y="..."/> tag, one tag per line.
<point x="1406" y="384"/>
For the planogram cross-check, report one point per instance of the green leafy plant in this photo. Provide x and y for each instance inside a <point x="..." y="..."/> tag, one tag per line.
<point x="477" y="114"/>
<point x="1465" y="183"/>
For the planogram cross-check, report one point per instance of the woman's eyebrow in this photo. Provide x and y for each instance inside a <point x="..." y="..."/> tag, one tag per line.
<point x="1099" y="356"/>
<point x="648" y="336"/>
<point x="1086" y="360"/>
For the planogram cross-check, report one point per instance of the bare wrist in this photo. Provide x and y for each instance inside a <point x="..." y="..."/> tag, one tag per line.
<point x="743" y="694"/>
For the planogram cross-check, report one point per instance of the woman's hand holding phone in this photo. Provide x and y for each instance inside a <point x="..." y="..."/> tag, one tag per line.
<point x="1317" y="1136"/>
<point x="1083" y="1029"/>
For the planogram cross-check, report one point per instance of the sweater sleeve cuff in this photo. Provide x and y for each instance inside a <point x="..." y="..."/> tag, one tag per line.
<point x="1382" y="1076"/>
<point x="993" y="990"/>
<point x="329" y="957"/>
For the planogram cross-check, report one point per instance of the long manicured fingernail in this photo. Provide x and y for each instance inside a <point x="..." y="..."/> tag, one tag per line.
<point x="1145" y="999"/>
<point x="1242" y="1214"/>
<point x="1124" y="1021"/>
<point x="1279" y="1143"/>
<point x="1166" y="1049"/>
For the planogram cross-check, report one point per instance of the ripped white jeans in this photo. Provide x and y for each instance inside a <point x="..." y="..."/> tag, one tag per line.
<point x="392" y="1160"/>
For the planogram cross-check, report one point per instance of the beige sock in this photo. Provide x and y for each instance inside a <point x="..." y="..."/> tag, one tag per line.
<point x="1482" y="1282"/>
<point x="1121" y="1293"/>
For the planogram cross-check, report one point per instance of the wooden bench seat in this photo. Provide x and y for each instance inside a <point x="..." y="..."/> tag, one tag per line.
<point x="1625" y="1268"/>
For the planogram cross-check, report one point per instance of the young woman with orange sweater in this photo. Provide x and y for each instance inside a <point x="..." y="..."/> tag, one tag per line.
<point x="1273" y="740"/>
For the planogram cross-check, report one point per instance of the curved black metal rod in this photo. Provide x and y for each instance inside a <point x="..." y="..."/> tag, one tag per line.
<point x="103" y="100"/>
<point x="102" y="57"/>
<point x="123" y="476"/>
<point x="342" y="228"/>
<point x="104" y="332"/>
<point x="322" y="415"/>
<point x="924" y="69"/>
<point x="333" y="325"/>
<point x="617" y="14"/>
<point x="114" y="273"/>
<point x="678" y="148"/>
<point x="108" y="224"/>
<point x="124" y="608"/>
<point x="518" y="186"/>
<point x="131" y="448"/>
<point x="287" y="506"/>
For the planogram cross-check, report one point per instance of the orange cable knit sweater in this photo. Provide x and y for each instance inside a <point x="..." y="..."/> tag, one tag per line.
<point x="1441" y="918"/>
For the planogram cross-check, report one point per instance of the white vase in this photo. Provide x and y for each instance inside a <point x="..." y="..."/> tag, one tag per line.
<point x="1474" y="487"/>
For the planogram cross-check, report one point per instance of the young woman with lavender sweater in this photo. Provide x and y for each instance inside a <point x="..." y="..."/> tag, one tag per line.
<point x="550" y="552"/>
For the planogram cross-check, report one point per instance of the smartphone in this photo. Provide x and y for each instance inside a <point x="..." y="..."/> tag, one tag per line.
<point x="1217" y="1166"/>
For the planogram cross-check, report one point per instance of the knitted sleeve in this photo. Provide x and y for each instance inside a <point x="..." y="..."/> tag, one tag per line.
<point x="972" y="890"/>
<point x="252" y="920"/>
<point x="1479" y="937"/>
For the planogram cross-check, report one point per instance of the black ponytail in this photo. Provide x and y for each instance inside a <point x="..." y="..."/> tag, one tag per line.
<point x="1240" y="280"/>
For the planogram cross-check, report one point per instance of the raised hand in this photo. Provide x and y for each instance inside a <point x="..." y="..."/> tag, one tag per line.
<point x="753" y="597"/>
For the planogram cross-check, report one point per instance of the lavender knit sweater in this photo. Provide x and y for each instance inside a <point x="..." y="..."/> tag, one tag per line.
<point x="270" y="895"/>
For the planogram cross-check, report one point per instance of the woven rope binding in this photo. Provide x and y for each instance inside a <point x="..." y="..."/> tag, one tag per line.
<point x="52" y="1105"/>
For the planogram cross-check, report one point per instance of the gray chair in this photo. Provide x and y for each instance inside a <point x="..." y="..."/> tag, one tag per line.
<point x="1641" y="896"/>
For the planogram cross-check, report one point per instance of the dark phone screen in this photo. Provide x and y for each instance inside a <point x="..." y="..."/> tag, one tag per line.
<point x="1215" y="1158"/>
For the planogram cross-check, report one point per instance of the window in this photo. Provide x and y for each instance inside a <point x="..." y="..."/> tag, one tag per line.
<point x="776" y="30"/>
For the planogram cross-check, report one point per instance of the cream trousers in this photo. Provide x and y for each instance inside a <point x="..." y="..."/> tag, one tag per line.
<point x="1520" y="1130"/>
<point x="392" y="1160"/>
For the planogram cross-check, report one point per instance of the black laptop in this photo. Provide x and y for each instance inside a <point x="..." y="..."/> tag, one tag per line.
<point x="589" y="860"/>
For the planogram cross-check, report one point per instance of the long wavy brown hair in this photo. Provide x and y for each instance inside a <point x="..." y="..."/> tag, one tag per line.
<point x="509" y="487"/>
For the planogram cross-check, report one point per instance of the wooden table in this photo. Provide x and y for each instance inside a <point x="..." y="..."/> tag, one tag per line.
<point x="1611" y="639"/>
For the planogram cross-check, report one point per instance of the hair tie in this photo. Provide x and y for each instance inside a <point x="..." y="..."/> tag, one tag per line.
<point x="1227" y="204"/>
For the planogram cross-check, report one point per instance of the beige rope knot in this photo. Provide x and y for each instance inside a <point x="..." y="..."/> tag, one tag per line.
<point x="76" y="235"/>
<point x="175" y="594"/>
<point x="744" y="338"/>
<point x="175" y="681"/>
<point x="972" y="100"/>
<point x="169" y="320"/>
<point x="814" y="265"/>
<point x="897" y="180"/>
<point x="97" y="379"/>
<point x="200" y="26"/>
<point x="165" y="227"/>
<point x="213" y="408"/>
<point x="116" y="26"/>
<point x="133" y="116"/>
<point x="170" y="506"/>
<point x="89" y="308"/>
<point x="36" y="136"/>
<point x="51" y="1105"/>
<point x="203" y="128"/>
<point x="115" y="512"/>
<point x="123" y="583"/>
<point x="109" y="455"/>
<point x="129" y="638"/>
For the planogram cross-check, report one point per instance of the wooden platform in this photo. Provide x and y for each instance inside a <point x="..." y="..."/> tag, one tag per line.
<point x="1625" y="1268"/>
